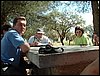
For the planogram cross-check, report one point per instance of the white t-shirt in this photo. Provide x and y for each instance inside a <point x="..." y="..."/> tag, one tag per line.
<point x="42" y="41"/>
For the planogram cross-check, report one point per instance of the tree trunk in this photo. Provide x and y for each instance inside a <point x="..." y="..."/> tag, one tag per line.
<point x="95" y="12"/>
<point x="62" y="36"/>
<point x="61" y="39"/>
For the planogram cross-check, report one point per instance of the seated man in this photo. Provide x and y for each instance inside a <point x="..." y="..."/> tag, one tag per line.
<point x="39" y="39"/>
<point x="92" y="69"/>
<point x="14" y="48"/>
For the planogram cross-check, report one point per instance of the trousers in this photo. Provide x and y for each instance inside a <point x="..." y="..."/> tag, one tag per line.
<point x="9" y="69"/>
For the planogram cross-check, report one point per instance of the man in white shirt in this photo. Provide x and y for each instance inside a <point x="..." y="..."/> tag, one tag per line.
<point x="39" y="39"/>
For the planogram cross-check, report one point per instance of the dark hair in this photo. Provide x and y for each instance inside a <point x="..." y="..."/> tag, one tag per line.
<point x="5" y="27"/>
<point x="79" y="28"/>
<point x="18" y="18"/>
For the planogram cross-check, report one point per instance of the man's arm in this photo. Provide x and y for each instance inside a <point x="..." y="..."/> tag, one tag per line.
<point x="25" y="47"/>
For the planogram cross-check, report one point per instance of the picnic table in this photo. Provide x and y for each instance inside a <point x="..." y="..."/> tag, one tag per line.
<point x="69" y="62"/>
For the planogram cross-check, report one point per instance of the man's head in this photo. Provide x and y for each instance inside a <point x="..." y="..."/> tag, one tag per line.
<point x="5" y="28"/>
<point x="39" y="33"/>
<point x="19" y="23"/>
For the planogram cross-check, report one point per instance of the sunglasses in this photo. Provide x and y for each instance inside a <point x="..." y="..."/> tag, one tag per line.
<point x="78" y="31"/>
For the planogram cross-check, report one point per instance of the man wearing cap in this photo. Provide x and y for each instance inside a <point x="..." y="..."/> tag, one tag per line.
<point x="39" y="39"/>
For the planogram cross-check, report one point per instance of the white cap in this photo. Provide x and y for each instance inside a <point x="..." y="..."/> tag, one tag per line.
<point x="39" y="30"/>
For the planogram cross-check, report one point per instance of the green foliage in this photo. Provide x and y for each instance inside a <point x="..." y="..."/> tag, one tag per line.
<point x="83" y="6"/>
<point x="62" y="23"/>
<point x="89" y="29"/>
<point x="44" y="14"/>
<point x="11" y="9"/>
<point x="78" y="6"/>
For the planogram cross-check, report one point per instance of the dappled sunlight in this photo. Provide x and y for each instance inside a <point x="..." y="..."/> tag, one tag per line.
<point x="57" y="44"/>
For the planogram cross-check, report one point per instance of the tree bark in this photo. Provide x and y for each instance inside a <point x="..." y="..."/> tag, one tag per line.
<point x="95" y="12"/>
<point x="62" y="36"/>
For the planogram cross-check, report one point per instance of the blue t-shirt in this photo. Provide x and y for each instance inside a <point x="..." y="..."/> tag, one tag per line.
<point x="10" y="51"/>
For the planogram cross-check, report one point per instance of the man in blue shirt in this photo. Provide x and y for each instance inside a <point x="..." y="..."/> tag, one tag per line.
<point x="13" y="46"/>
